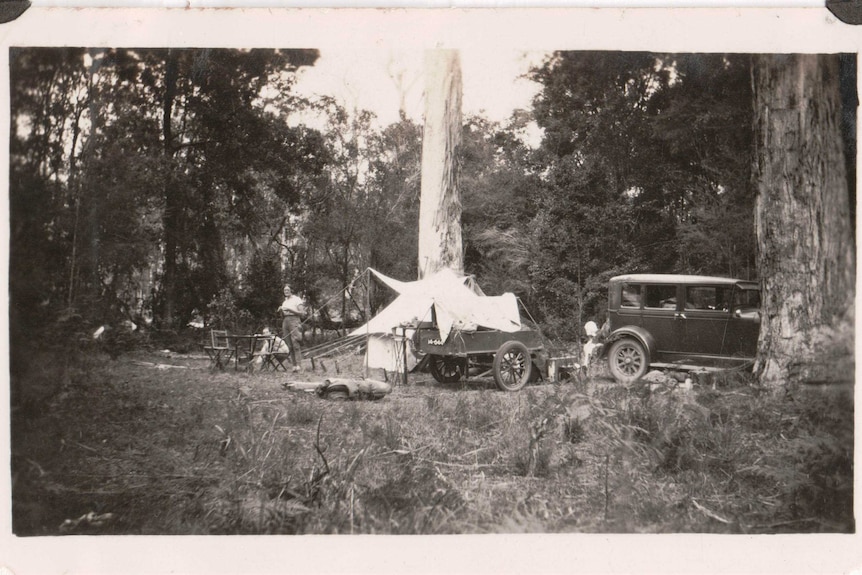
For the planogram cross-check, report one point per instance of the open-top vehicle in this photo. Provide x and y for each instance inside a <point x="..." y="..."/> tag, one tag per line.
<point x="514" y="358"/>
<point x="445" y="321"/>
<point x="680" y="322"/>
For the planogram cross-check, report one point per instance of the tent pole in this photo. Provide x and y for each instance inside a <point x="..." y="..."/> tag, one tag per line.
<point x="367" y="317"/>
<point x="404" y="355"/>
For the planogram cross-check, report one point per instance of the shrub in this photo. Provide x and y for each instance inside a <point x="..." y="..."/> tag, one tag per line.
<point x="823" y="457"/>
<point x="262" y="287"/>
<point x="414" y="501"/>
<point x="225" y="312"/>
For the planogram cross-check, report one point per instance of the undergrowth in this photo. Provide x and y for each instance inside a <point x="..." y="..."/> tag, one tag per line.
<point x="188" y="451"/>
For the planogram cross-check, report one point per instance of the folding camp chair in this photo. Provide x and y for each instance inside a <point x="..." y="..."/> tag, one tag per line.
<point x="275" y="361"/>
<point x="219" y="351"/>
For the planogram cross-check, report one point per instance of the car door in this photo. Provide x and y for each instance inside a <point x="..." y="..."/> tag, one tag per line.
<point x="661" y="301"/>
<point x="743" y="326"/>
<point x="705" y="314"/>
<point x="628" y="308"/>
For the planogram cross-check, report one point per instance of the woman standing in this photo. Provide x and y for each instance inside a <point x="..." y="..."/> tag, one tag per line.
<point x="292" y="309"/>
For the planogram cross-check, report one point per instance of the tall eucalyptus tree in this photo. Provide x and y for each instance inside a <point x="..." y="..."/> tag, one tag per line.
<point x="807" y="255"/>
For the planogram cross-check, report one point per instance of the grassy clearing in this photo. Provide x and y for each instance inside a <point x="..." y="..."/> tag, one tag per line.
<point x="182" y="450"/>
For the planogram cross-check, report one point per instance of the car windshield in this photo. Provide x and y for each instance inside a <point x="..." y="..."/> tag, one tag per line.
<point x="746" y="298"/>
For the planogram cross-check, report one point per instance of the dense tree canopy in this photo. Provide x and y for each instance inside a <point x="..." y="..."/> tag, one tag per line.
<point x="174" y="183"/>
<point x="155" y="163"/>
<point x="644" y="166"/>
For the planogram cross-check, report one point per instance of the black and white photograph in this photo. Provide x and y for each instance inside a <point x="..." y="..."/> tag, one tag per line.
<point x="482" y="283"/>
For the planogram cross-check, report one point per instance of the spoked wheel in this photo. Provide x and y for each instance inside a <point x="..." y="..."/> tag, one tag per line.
<point x="447" y="369"/>
<point x="512" y="366"/>
<point x="627" y="360"/>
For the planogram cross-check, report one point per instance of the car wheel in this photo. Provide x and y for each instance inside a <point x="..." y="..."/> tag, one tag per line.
<point x="447" y="369"/>
<point x="627" y="360"/>
<point x="512" y="366"/>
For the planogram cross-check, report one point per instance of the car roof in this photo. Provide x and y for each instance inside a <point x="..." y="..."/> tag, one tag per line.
<point x="682" y="279"/>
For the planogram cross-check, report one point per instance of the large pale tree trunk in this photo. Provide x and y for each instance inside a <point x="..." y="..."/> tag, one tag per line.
<point x="171" y="218"/>
<point x="806" y="252"/>
<point x="440" y="244"/>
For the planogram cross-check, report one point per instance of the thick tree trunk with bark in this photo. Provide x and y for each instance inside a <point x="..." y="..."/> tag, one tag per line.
<point x="440" y="243"/>
<point x="806" y="252"/>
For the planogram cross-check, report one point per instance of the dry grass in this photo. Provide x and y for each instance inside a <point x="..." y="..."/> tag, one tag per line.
<point x="183" y="450"/>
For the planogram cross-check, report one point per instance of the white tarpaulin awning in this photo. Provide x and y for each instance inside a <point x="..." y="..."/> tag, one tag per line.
<point x="456" y="306"/>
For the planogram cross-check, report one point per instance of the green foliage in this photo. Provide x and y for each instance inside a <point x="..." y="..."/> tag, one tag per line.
<point x="795" y="449"/>
<point x="364" y="213"/>
<point x="224" y="312"/>
<point x="32" y="286"/>
<point x="244" y="156"/>
<point x="821" y="448"/>
<point x="262" y="288"/>
<point x="644" y="168"/>
<point x="391" y="208"/>
<point x="180" y="161"/>
<point x="124" y="158"/>
<point x="192" y="451"/>
<point x="498" y="186"/>
<point x="680" y="430"/>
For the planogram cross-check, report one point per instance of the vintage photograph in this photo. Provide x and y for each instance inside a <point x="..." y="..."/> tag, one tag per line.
<point x="406" y="289"/>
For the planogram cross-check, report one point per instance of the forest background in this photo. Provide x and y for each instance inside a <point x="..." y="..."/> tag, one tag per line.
<point x="632" y="29"/>
<point x="169" y="186"/>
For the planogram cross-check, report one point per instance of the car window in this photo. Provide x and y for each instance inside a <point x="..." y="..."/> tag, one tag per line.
<point x="631" y="295"/>
<point x="746" y="299"/>
<point x="708" y="298"/>
<point x="660" y="296"/>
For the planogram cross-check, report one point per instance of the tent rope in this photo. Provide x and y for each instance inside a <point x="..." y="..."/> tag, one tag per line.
<point x="339" y="293"/>
<point x="529" y="315"/>
<point x="532" y="319"/>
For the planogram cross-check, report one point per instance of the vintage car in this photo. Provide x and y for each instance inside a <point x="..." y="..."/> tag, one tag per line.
<point x="682" y="322"/>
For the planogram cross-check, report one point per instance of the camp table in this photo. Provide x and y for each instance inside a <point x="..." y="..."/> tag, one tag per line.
<point x="245" y="346"/>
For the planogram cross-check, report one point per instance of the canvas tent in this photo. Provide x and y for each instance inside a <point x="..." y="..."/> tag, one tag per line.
<point x="456" y="302"/>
